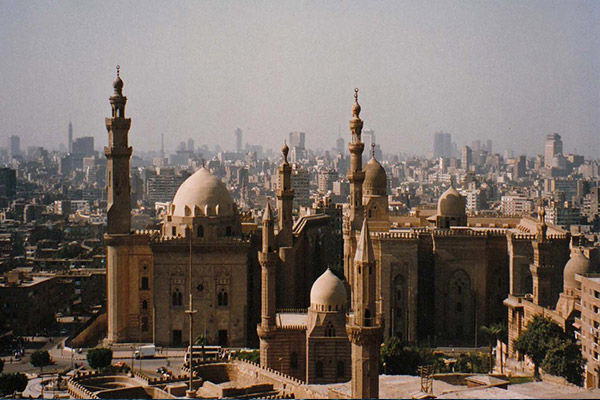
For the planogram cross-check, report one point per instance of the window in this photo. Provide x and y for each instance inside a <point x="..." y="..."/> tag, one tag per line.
<point x="329" y="330"/>
<point x="222" y="298"/>
<point x="177" y="298"/>
<point x="294" y="360"/>
<point x="340" y="369"/>
<point x="145" y="283"/>
<point x="228" y="231"/>
<point x="174" y="231"/>
<point x="367" y="318"/>
<point x="319" y="369"/>
<point x="144" y="305"/>
<point x="200" y="231"/>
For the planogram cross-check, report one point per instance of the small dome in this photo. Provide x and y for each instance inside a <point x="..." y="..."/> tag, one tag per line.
<point x="118" y="83"/>
<point x="375" y="177"/>
<point x="328" y="290"/>
<point x="451" y="203"/>
<point x="200" y="190"/>
<point x="577" y="264"/>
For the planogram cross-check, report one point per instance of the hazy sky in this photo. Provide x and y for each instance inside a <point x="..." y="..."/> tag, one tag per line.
<point x="510" y="71"/>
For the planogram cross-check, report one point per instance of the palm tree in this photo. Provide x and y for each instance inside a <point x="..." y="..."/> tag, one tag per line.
<point x="491" y="333"/>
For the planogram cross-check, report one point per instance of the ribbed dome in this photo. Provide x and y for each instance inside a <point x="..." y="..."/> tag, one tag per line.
<point x="328" y="290"/>
<point x="375" y="178"/>
<point x="577" y="264"/>
<point x="451" y="203"/>
<point x="200" y="190"/>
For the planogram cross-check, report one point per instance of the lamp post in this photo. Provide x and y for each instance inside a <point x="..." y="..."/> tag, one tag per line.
<point x="190" y="311"/>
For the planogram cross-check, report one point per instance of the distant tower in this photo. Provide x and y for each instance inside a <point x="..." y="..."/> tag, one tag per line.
<point x="268" y="262"/>
<point x="162" y="146"/>
<point x="552" y="147"/>
<point x="238" y="140"/>
<point x="118" y="154"/>
<point x="70" y="137"/>
<point x="285" y="200"/>
<point x="364" y="324"/>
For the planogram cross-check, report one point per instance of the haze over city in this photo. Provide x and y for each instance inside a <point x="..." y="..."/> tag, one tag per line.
<point x="508" y="71"/>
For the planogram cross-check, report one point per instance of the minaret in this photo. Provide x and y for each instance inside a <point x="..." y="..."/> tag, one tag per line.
<point x="121" y="289"/>
<point x="542" y="267"/>
<point x="364" y="324"/>
<point x="118" y="154"/>
<point x="353" y="220"/>
<point x="268" y="261"/>
<point x="285" y="199"/>
<point x="356" y="176"/>
<point x="70" y="137"/>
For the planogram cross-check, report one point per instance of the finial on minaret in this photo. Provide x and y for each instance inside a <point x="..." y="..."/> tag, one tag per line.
<point x="118" y="82"/>
<point x="373" y="150"/>
<point x="285" y="150"/>
<point x="356" y="107"/>
<point x="452" y="181"/>
<point x="542" y="212"/>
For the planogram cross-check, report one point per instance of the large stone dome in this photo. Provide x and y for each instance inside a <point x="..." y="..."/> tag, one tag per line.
<point x="451" y="203"/>
<point x="204" y="191"/>
<point x="375" y="178"/>
<point x="577" y="264"/>
<point x="328" y="290"/>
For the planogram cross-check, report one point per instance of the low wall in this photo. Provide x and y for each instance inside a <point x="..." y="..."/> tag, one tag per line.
<point x="92" y="333"/>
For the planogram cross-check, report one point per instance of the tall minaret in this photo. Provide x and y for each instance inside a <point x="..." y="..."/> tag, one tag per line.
<point x="70" y="137"/>
<point x="364" y="324"/>
<point x="542" y="267"/>
<point x="285" y="199"/>
<point x="268" y="261"/>
<point x="118" y="154"/>
<point x="356" y="176"/>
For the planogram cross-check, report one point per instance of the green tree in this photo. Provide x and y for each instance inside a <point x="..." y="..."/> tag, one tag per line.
<point x="10" y="383"/>
<point x="539" y="337"/>
<point x="40" y="358"/>
<point x="99" y="358"/>
<point x="399" y="359"/>
<point x="491" y="334"/>
<point x="565" y="359"/>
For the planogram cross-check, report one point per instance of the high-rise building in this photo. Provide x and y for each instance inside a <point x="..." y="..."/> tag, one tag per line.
<point x="368" y="136"/>
<point x="14" y="146"/>
<point x="238" y="140"/>
<point x="552" y="147"/>
<point x="191" y="145"/>
<point x="70" y="137"/>
<point x="488" y="146"/>
<point x="442" y="145"/>
<point x="297" y="139"/>
<point x="8" y="182"/>
<point x="467" y="158"/>
<point x="83" y="146"/>
<point x="339" y="145"/>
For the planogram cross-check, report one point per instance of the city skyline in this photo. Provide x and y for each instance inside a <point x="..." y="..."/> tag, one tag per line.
<point x="510" y="72"/>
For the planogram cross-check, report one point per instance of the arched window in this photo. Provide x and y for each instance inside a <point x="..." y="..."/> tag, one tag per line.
<point x="367" y="318"/>
<point x="145" y="283"/>
<point x="294" y="360"/>
<point x="200" y="231"/>
<point x="340" y="369"/>
<point x="177" y="298"/>
<point x="329" y="330"/>
<point x="319" y="369"/>
<point x="144" y="305"/>
<point x="222" y="298"/>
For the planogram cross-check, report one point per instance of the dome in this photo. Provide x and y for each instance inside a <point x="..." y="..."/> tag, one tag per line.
<point x="577" y="264"/>
<point x="328" y="290"/>
<point x="451" y="203"/>
<point x="118" y="83"/>
<point x="375" y="177"/>
<point x="200" y="190"/>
